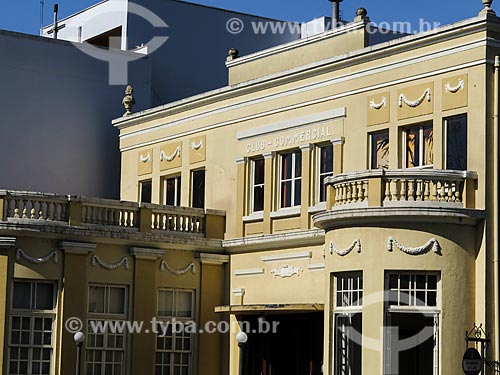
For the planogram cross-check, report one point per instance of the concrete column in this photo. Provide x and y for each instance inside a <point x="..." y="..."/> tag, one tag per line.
<point x="6" y="243"/>
<point x="143" y="345"/>
<point x="269" y="184"/>
<point x="241" y="194"/>
<point x="338" y="155"/>
<point x="74" y="299"/>
<point x="305" y="199"/>
<point x="211" y="357"/>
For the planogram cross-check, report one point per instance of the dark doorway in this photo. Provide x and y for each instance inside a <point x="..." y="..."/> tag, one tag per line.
<point x="296" y="348"/>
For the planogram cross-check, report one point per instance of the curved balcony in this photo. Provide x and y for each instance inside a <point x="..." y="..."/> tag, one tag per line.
<point x="422" y="195"/>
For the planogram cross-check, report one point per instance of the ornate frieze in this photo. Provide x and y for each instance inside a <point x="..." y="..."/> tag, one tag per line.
<point x="178" y="272"/>
<point x="432" y="244"/>
<point x="20" y="253"/>
<point x="96" y="261"/>
<point x="343" y="252"/>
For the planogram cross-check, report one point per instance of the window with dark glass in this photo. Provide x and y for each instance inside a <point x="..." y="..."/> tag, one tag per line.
<point x="198" y="188"/>
<point x="145" y="191"/>
<point x="325" y="169"/>
<point x="419" y="146"/>
<point x="290" y="179"/>
<point x="31" y="328"/>
<point x="257" y="198"/>
<point x="379" y="150"/>
<point x="456" y="143"/>
<point x="172" y="191"/>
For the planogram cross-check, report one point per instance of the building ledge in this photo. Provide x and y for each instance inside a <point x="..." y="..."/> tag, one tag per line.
<point x="278" y="308"/>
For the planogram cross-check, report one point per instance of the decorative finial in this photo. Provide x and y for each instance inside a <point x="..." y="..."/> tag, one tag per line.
<point x="128" y="101"/>
<point x="232" y="54"/>
<point x="487" y="8"/>
<point x="361" y="14"/>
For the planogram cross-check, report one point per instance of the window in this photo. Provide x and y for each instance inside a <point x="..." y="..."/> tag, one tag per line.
<point x="456" y="143"/>
<point x="325" y="169"/>
<point x="174" y="346"/>
<point x="290" y="179"/>
<point x="348" y="323"/>
<point x="412" y="324"/>
<point x="106" y="349"/>
<point x="418" y="146"/>
<point x="379" y="145"/>
<point x="172" y="191"/>
<point x="257" y="188"/>
<point x="198" y="188"/>
<point x="31" y="328"/>
<point x="145" y="191"/>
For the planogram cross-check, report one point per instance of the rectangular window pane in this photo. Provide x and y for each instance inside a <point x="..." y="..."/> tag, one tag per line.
<point x="96" y="299"/>
<point x="198" y="189"/>
<point x="380" y="150"/>
<point x="44" y="299"/>
<point x="348" y="330"/>
<point x="286" y="166"/>
<point x="456" y="143"/>
<point x="325" y="169"/>
<point x="290" y="183"/>
<point x="172" y="191"/>
<point x="116" y="300"/>
<point x="22" y="295"/>
<point x="165" y="303"/>
<point x="184" y="304"/>
<point x="258" y="185"/>
<point x="349" y="288"/>
<point x="145" y="191"/>
<point x="428" y="145"/>
<point x="412" y="147"/>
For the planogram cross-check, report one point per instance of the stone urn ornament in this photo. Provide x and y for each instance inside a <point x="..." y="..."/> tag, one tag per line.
<point x="487" y="7"/>
<point x="128" y="101"/>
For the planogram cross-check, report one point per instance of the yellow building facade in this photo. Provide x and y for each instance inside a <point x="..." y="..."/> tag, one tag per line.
<point x="337" y="201"/>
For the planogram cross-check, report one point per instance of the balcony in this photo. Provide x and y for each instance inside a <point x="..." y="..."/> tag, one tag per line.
<point x="106" y="218"/>
<point x="391" y="195"/>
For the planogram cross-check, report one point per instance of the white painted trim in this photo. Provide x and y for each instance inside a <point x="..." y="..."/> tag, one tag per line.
<point x="316" y="267"/>
<point x="239" y="292"/>
<point x="294" y="123"/>
<point x="337" y="141"/>
<point x="279" y="258"/>
<point x="321" y="206"/>
<point x="255" y="216"/>
<point x="304" y="104"/>
<point x="250" y="272"/>
<point x="285" y="212"/>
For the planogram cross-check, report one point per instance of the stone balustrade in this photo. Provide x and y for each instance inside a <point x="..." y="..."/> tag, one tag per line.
<point x="51" y="209"/>
<point x="402" y="187"/>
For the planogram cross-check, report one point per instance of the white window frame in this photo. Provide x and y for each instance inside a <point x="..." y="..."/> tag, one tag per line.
<point x="319" y="174"/>
<point x="33" y="314"/>
<point x="293" y="178"/>
<point x="370" y="144"/>
<point x="177" y="185"/>
<point x="106" y="316"/>
<point x="139" y="199"/>
<point x="446" y="124"/>
<point x="253" y="185"/>
<point x="171" y="352"/>
<point x="351" y="309"/>
<point x="420" y="146"/>
<point x="433" y="311"/>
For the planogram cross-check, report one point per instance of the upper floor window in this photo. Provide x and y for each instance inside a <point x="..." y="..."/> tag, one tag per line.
<point x="379" y="150"/>
<point x="325" y="169"/>
<point x="257" y="188"/>
<point x="198" y="188"/>
<point x="172" y="191"/>
<point x="290" y="179"/>
<point x="456" y="143"/>
<point x="145" y="191"/>
<point x="418" y="146"/>
<point x="32" y="328"/>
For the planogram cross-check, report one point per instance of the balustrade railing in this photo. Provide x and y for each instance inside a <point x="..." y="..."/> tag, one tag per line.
<point x="402" y="186"/>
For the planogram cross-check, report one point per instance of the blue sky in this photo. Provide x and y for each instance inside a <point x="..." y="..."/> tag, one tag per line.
<point x="24" y="15"/>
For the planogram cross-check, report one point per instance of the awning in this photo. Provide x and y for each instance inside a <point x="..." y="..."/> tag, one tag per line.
<point x="277" y="308"/>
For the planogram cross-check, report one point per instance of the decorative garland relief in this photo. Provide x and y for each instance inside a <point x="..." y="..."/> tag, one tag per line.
<point x="415" y="103"/>
<point x="22" y="254"/>
<point x="110" y="266"/>
<point x="433" y="245"/>
<point x="455" y="89"/>
<point x="145" y="159"/>
<point x="378" y="106"/>
<point x="286" y="271"/>
<point x="164" y="266"/>
<point x="343" y="252"/>
<point x="177" y="152"/>
<point x="197" y="146"/>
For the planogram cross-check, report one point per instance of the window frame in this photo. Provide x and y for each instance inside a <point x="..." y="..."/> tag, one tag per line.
<point x="177" y="190"/>
<point x="319" y="174"/>
<point x="32" y="314"/>
<point x="371" y="161"/>
<point x="421" y="147"/>
<point x="192" y="172"/>
<point x="253" y="185"/>
<point x="292" y="179"/>
<point x="445" y="148"/>
<point x="141" y="182"/>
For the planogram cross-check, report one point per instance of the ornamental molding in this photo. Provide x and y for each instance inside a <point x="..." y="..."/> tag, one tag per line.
<point x="289" y="257"/>
<point x="196" y="146"/>
<point x="7" y="242"/>
<point x="378" y="106"/>
<point x="343" y="252"/>
<point x="177" y="152"/>
<point x="145" y="159"/>
<point x="110" y="266"/>
<point x="415" y="103"/>
<point x="455" y="89"/>
<point x="433" y="245"/>
<point x="20" y="253"/>
<point x="286" y="271"/>
<point x="178" y="272"/>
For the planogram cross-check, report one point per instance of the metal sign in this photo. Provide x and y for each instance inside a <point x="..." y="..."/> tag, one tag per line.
<point x="472" y="362"/>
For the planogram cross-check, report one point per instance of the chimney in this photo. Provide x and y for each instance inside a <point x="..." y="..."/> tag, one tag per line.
<point x="335" y="13"/>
